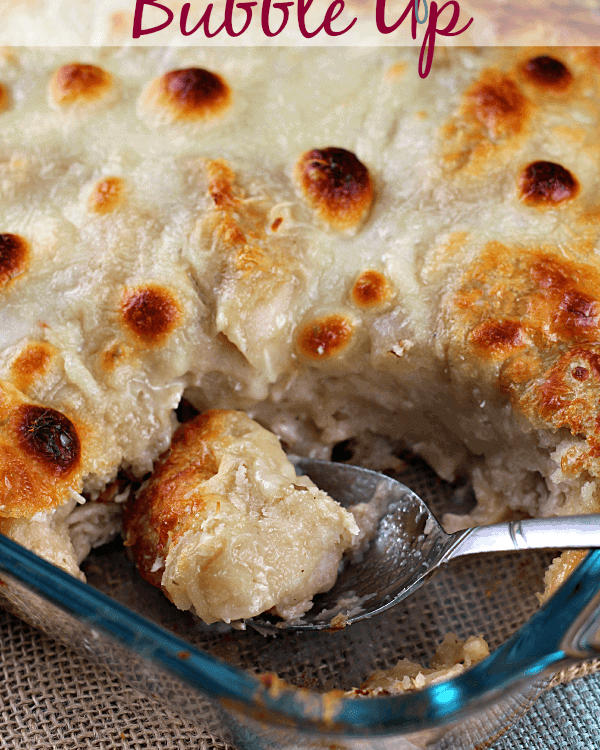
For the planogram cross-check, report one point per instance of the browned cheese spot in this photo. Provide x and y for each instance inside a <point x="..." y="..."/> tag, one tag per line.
<point x="370" y="289"/>
<point x="548" y="73"/>
<point x="180" y="474"/>
<point x="221" y="183"/>
<point x="545" y="184"/>
<point x="31" y="363"/>
<point x="3" y="97"/>
<point x="494" y="115"/>
<point x="580" y="373"/>
<point x="337" y="185"/>
<point x="14" y="253"/>
<point x="325" y="337"/>
<point x="498" y="104"/>
<point x="498" y="338"/>
<point x="150" y="312"/>
<point x="276" y="224"/>
<point x="49" y="437"/>
<point x="106" y="195"/>
<point x="190" y="94"/>
<point x="79" y="83"/>
<point x="568" y="311"/>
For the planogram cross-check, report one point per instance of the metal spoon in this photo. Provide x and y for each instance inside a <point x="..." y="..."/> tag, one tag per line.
<point x="410" y="545"/>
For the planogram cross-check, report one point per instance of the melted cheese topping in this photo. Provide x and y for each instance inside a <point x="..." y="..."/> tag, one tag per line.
<point x="441" y="287"/>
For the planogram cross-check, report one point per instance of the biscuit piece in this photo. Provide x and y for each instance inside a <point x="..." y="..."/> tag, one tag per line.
<point x="224" y="525"/>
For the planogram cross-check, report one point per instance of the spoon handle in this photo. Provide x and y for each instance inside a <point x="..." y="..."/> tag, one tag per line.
<point x="558" y="532"/>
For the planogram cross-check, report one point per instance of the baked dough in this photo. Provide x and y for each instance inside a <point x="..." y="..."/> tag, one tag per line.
<point x="225" y="526"/>
<point x="323" y="240"/>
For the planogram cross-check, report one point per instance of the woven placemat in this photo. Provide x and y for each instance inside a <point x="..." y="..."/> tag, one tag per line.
<point x="566" y="717"/>
<point x="52" y="699"/>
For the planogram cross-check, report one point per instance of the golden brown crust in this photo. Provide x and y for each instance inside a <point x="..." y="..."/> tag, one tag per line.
<point x="161" y="512"/>
<point x="240" y="228"/>
<point x="80" y="83"/>
<point x="529" y="320"/>
<point x="189" y="95"/>
<point x="337" y="186"/>
<point x="221" y="184"/>
<point x="226" y="526"/>
<point x="217" y="276"/>
<point x="256" y="270"/>
<point x="40" y="455"/>
<point x="552" y="294"/>
<point x="513" y="100"/>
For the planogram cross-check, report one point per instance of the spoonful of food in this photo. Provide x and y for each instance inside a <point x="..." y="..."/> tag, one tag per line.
<point x="409" y="545"/>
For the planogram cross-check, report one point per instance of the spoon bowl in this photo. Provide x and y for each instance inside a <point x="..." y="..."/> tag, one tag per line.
<point x="409" y="545"/>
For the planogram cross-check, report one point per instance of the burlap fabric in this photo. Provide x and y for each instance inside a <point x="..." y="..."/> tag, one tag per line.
<point x="52" y="699"/>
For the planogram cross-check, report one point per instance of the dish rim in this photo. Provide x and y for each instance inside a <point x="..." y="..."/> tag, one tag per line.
<point x="523" y="658"/>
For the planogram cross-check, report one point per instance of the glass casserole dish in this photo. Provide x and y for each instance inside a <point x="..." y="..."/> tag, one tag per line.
<point x="205" y="672"/>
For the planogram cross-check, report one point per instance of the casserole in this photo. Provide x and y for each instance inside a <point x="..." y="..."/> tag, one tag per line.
<point x="379" y="260"/>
